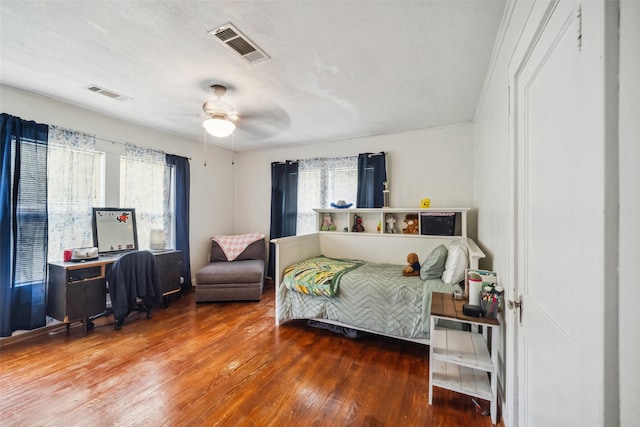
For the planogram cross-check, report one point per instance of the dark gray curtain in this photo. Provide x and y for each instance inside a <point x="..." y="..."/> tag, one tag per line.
<point x="23" y="224"/>
<point x="284" y="205"/>
<point x="182" y="170"/>
<point x="372" y="173"/>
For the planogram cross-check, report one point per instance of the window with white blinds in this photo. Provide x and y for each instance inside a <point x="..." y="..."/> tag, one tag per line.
<point x="323" y="181"/>
<point x="74" y="187"/>
<point x="148" y="186"/>
<point x="31" y="203"/>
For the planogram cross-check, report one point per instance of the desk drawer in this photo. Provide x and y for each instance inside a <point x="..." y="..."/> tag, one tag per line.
<point x="169" y="264"/>
<point x="80" y="274"/>
<point x="85" y="298"/>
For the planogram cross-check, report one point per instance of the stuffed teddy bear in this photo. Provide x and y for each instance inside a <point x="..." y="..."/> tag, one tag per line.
<point x="411" y="221"/>
<point x="327" y="223"/>
<point x="357" y="224"/>
<point x="390" y="220"/>
<point x="413" y="269"/>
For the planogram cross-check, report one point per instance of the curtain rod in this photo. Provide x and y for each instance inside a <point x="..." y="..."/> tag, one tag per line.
<point x="113" y="141"/>
<point x="323" y="158"/>
<point x="326" y="158"/>
<point x="345" y="157"/>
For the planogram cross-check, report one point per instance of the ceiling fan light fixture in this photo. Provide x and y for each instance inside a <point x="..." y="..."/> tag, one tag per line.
<point x="219" y="126"/>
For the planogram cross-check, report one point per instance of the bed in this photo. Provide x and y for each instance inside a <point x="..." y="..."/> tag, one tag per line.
<point x="373" y="297"/>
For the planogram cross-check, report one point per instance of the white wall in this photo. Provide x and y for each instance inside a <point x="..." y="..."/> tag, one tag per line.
<point x="629" y="152"/>
<point x="211" y="209"/>
<point x="494" y="185"/>
<point x="435" y="163"/>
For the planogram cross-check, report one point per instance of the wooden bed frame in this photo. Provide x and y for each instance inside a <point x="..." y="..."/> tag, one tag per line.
<point x="379" y="248"/>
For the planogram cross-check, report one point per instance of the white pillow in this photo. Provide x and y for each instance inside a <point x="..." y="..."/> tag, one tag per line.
<point x="457" y="260"/>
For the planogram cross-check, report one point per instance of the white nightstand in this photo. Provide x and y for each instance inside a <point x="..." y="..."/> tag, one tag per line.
<point x="460" y="360"/>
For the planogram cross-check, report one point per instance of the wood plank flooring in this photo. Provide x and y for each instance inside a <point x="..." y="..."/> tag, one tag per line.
<point x="221" y="364"/>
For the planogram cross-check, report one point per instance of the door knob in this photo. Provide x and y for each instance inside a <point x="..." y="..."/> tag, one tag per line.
<point x="512" y="305"/>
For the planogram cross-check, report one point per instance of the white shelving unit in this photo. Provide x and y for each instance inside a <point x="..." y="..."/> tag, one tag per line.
<point x="460" y="360"/>
<point x="373" y="217"/>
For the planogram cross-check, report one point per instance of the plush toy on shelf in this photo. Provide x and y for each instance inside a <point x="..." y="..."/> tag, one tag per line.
<point x="357" y="224"/>
<point x="413" y="269"/>
<point x="411" y="221"/>
<point x="390" y="220"/>
<point x="327" y="223"/>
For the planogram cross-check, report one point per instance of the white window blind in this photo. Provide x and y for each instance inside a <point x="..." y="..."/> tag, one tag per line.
<point x="323" y="181"/>
<point x="74" y="187"/>
<point x="147" y="185"/>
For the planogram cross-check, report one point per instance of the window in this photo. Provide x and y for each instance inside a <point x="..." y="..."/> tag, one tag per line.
<point x="74" y="187"/>
<point x="322" y="182"/>
<point x="31" y="212"/>
<point x="76" y="184"/>
<point x="147" y="184"/>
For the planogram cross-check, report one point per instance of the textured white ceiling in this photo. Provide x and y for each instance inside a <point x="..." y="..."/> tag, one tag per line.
<point x="338" y="69"/>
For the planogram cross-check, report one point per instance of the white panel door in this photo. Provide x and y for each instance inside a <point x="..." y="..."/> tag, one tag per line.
<point x="558" y="227"/>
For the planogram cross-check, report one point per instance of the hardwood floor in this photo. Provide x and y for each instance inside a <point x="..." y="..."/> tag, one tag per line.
<point x="221" y="364"/>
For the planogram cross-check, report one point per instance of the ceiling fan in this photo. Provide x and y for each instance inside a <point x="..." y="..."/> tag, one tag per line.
<point x="220" y="114"/>
<point x="263" y="119"/>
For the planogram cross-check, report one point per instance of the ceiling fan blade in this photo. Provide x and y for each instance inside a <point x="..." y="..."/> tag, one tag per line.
<point x="254" y="130"/>
<point x="265" y="123"/>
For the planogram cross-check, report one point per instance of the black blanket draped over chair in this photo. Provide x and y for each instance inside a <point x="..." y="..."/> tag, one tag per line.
<point x="134" y="285"/>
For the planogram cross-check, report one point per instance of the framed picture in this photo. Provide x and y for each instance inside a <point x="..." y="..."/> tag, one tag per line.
<point x="114" y="230"/>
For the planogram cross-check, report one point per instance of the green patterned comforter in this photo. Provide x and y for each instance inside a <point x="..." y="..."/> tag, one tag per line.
<point x="318" y="276"/>
<point x="374" y="297"/>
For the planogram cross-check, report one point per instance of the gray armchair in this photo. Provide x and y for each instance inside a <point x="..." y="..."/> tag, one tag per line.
<point x="237" y="280"/>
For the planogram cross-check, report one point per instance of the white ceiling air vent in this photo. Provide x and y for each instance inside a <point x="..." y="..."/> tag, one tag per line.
<point x="106" y="92"/>
<point x="234" y="40"/>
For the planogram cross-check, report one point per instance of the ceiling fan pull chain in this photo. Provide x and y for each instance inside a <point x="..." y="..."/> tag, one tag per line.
<point x="205" y="147"/>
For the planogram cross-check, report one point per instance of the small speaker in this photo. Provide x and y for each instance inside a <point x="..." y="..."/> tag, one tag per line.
<point x="472" y="310"/>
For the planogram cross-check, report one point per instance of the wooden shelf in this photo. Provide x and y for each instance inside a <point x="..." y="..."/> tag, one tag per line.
<point x="461" y="379"/>
<point x="460" y="347"/>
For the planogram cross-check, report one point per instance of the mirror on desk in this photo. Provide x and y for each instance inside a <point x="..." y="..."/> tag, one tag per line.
<point x="114" y="230"/>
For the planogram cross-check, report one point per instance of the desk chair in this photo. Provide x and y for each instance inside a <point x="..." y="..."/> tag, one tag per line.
<point x="133" y="286"/>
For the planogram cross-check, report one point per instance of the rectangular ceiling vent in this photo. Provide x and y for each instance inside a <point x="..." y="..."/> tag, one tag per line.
<point x="109" y="93"/>
<point x="237" y="42"/>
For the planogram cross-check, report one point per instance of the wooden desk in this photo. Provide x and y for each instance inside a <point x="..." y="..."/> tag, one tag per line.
<point x="77" y="290"/>
<point x="460" y="360"/>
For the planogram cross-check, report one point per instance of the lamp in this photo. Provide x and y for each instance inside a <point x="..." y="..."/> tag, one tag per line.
<point x="219" y="126"/>
<point x="156" y="240"/>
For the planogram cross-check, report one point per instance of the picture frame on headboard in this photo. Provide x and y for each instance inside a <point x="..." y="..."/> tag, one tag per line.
<point x="114" y="230"/>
